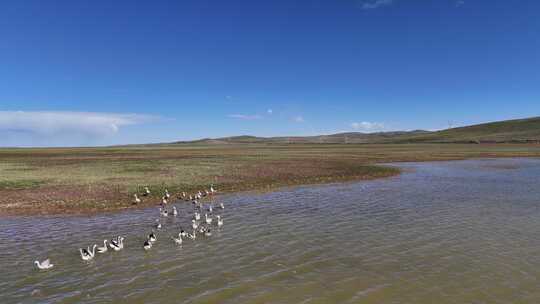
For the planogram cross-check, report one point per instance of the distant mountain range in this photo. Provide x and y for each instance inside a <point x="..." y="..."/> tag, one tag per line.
<point x="508" y="131"/>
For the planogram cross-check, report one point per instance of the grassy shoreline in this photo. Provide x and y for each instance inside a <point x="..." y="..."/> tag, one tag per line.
<point x="93" y="180"/>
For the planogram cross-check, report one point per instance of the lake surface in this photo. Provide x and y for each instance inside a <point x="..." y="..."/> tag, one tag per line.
<point x="443" y="232"/>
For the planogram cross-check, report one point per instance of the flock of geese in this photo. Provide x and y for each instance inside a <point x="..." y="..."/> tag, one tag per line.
<point x="198" y="226"/>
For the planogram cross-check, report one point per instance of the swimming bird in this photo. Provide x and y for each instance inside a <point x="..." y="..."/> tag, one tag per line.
<point x="174" y="211"/>
<point x="147" y="245"/>
<point x="178" y="241"/>
<point x="208" y="219"/>
<point x="163" y="212"/>
<point x="194" y="224"/>
<point x="152" y="237"/>
<point x="44" y="265"/>
<point x="221" y="206"/>
<point x="136" y="199"/>
<point x="157" y="225"/>
<point x="212" y="190"/>
<point x="167" y="195"/>
<point x="117" y="244"/>
<point x="202" y="229"/>
<point x="208" y="232"/>
<point x="146" y="191"/>
<point x="219" y="221"/>
<point x="87" y="254"/>
<point x="104" y="248"/>
<point x="210" y="208"/>
<point x="192" y="236"/>
<point x="197" y="216"/>
<point x="183" y="233"/>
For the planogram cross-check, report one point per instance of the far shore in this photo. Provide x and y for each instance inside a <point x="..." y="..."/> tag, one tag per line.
<point x="75" y="181"/>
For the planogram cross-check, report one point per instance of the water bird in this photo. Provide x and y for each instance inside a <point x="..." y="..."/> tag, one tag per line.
<point x="208" y="232"/>
<point x="167" y="195"/>
<point x="219" y="221"/>
<point x="183" y="233"/>
<point x="152" y="237"/>
<point x="197" y="216"/>
<point x="44" y="265"/>
<point x="178" y="241"/>
<point x="221" y="206"/>
<point x="157" y="225"/>
<point x="174" y="211"/>
<point x="147" y="245"/>
<point x="202" y="229"/>
<point x="193" y="235"/>
<point x="210" y="208"/>
<point x="208" y="219"/>
<point x="87" y="254"/>
<point x="136" y="199"/>
<point x="194" y="224"/>
<point x="117" y="244"/>
<point x="163" y="212"/>
<point x="212" y="190"/>
<point x="146" y="191"/>
<point x="164" y="201"/>
<point x="104" y="248"/>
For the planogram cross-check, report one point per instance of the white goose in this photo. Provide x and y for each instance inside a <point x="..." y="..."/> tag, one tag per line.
<point x="178" y="241"/>
<point x="194" y="224"/>
<point x="192" y="236"/>
<point x="44" y="265"/>
<point x="152" y="237"/>
<point x="197" y="216"/>
<point x="210" y="208"/>
<point x="117" y="244"/>
<point x="221" y="206"/>
<point x="174" y="211"/>
<point x="104" y="248"/>
<point x="182" y="233"/>
<point x="167" y="195"/>
<point x="208" y="219"/>
<point x="219" y="221"/>
<point x="87" y="254"/>
<point x="136" y="199"/>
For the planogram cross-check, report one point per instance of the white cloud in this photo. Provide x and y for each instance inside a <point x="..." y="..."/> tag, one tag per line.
<point x="299" y="119"/>
<point x="245" y="117"/>
<point x="460" y="3"/>
<point x="373" y="4"/>
<point x="366" y="126"/>
<point x="269" y="111"/>
<point x="52" y="122"/>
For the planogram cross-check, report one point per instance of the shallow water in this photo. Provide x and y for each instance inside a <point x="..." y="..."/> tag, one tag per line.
<point x="444" y="232"/>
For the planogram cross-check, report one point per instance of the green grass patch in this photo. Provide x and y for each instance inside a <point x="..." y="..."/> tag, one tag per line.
<point x="20" y="184"/>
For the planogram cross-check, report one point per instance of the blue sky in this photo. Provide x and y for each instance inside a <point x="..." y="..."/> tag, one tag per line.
<point x="114" y="72"/>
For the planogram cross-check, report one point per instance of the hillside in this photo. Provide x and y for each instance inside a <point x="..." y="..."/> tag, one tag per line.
<point x="518" y="130"/>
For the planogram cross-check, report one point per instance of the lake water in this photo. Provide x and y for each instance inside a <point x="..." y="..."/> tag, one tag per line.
<point x="443" y="232"/>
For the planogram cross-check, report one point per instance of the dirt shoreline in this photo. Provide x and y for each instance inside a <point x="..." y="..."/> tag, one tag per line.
<point x="81" y="207"/>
